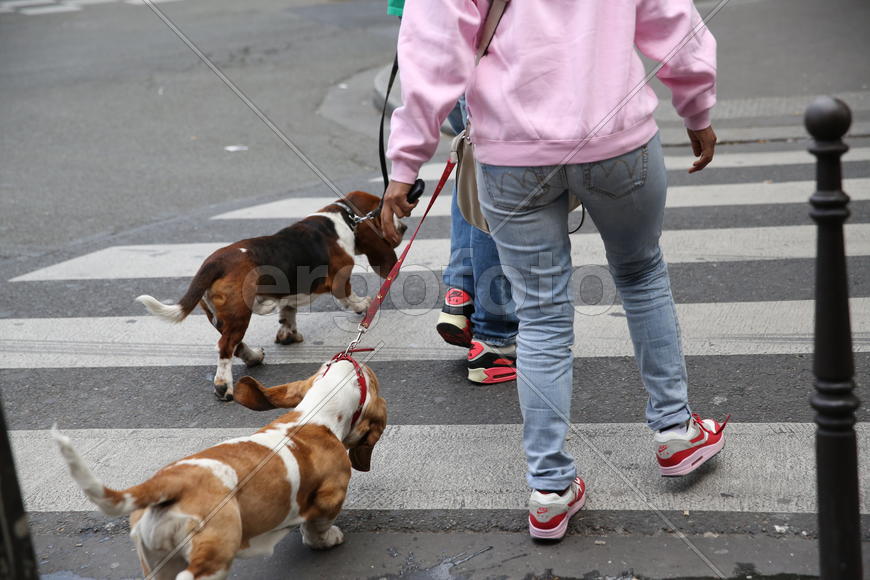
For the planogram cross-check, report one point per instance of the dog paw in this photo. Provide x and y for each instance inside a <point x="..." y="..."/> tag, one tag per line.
<point x="223" y="391"/>
<point x="255" y="357"/>
<point x="329" y="539"/>
<point x="288" y="336"/>
<point x="360" y="305"/>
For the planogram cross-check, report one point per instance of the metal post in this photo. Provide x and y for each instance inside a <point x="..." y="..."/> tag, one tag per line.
<point x="827" y="119"/>
<point x="16" y="551"/>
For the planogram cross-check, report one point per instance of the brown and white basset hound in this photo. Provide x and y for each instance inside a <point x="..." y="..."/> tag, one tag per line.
<point x="242" y="496"/>
<point x="282" y="272"/>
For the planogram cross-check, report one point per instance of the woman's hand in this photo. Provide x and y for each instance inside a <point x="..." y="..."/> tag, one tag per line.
<point x="703" y="144"/>
<point x="395" y="205"/>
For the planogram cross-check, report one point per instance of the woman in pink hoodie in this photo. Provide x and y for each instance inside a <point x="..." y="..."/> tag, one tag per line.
<point x="559" y="107"/>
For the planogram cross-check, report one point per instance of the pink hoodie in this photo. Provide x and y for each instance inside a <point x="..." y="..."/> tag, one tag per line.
<point x="561" y="82"/>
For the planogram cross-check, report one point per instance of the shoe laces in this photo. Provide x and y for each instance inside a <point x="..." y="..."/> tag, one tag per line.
<point x="700" y="422"/>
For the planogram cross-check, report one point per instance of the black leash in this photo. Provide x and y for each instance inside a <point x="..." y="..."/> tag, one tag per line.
<point x="419" y="185"/>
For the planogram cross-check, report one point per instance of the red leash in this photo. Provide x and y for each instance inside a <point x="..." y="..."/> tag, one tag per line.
<point x="385" y="287"/>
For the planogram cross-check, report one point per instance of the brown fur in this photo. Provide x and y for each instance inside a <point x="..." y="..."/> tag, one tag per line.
<point x="189" y="496"/>
<point x="232" y="279"/>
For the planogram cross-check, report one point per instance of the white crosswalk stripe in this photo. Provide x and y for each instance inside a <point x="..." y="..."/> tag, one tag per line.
<point x="410" y="458"/>
<point x="440" y="467"/>
<point x="708" y="329"/>
<point x="679" y="246"/>
<point x="682" y="196"/>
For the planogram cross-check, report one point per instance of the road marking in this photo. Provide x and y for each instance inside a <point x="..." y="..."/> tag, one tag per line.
<point x="763" y="467"/>
<point x="682" y="196"/>
<point x="432" y="171"/>
<point x="679" y="246"/>
<point x="25" y="3"/>
<point x="57" y="8"/>
<point x="708" y="329"/>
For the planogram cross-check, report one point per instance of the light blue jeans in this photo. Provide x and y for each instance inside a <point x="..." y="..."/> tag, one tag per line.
<point x="527" y="209"/>
<point x="475" y="268"/>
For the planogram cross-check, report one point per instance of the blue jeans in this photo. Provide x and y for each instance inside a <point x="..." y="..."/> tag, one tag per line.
<point x="475" y="268"/>
<point x="527" y="209"/>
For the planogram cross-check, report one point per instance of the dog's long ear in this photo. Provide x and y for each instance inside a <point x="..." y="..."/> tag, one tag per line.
<point x="251" y="393"/>
<point x="369" y="241"/>
<point x="371" y="427"/>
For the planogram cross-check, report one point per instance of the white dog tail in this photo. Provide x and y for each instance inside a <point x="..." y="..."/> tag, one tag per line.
<point x="169" y="312"/>
<point x="209" y="272"/>
<point x="111" y="502"/>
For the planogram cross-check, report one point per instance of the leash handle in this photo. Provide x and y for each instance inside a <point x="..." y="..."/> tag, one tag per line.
<point x="416" y="191"/>
<point x="385" y="287"/>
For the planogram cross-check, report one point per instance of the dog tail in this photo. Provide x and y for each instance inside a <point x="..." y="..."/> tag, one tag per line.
<point x="111" y="502"/>
<point x="207" y="274"/>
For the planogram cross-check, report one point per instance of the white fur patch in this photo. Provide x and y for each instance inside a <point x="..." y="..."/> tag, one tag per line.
<point x="222" y="471"/>
<point x="225" y="371"/>
<point x="346" y="239"/>
<point x="263" y="545"/>
<point x="168" y="312"/>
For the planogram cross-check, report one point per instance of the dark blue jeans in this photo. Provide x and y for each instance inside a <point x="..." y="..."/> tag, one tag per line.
<point x="475" y="268"/>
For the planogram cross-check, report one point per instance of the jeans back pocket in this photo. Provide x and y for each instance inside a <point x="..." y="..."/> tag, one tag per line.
<point x="618" y="176"/>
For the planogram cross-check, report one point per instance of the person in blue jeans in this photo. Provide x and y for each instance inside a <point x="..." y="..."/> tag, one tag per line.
<point x="560" y="107"/>
<point x="478" y="313"/>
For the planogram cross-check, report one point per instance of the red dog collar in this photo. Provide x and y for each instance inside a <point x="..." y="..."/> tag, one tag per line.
<point x="361" y="379"/>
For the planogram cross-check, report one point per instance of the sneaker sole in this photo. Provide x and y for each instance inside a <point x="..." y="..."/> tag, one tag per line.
<point x="492" y="375"/>
<point x="693" y="461"/>
<point x="558" y="532"/>
<point x="455" y="329"/>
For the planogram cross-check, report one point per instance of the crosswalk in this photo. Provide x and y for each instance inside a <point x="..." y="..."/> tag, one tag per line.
<point x="457" y="465"/>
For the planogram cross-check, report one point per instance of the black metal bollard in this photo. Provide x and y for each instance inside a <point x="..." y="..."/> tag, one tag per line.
<point x="16" y="551"/>
<point x="827" y="119"/>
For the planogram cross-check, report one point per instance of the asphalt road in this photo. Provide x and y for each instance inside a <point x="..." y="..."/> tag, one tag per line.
<point x="113" y="134"/>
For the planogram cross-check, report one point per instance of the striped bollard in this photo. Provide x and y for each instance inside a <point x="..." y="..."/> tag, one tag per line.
<point x="827" y="119"/>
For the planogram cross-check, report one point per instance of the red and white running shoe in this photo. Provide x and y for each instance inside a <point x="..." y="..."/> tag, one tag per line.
<point x="491" y="364"/>
<point x="454" y="325"/>
<point x="681" y="454"/>
<point x="549" y="512"/>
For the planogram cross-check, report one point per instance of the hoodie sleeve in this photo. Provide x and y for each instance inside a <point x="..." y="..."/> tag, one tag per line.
<point x="673" y="33"/>
<point x="436" y="60"/>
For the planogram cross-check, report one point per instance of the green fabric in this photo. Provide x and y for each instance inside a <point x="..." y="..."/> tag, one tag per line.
<point x="395" y="7"/>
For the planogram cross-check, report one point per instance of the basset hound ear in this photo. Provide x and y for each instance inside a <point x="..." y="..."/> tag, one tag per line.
<point x="251" y="393"/>
<point x="371" y="242"/>
<point x="370" y="428"/>
<point x="370" y="239"/>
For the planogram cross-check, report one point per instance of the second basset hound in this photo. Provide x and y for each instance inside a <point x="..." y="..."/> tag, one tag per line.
<point x="192" y="518"/>
<point x="282" y="272"/>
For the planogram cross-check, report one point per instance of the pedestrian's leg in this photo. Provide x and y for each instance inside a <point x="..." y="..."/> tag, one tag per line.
<point x="528" y="216"/>
<point x="495" y="319"/>
<point x="625" y="196"/>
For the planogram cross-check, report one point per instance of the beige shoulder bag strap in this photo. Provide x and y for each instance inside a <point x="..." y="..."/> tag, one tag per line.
<point x="493" y="17"/>
<point x="461" y="150"/>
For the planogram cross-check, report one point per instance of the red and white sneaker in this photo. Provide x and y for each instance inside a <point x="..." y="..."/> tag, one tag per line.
<point x="454" y="325"/>
<point x="683" y="453"/>
<point x="491" y="364"/>
<point x="549" y="512"/>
